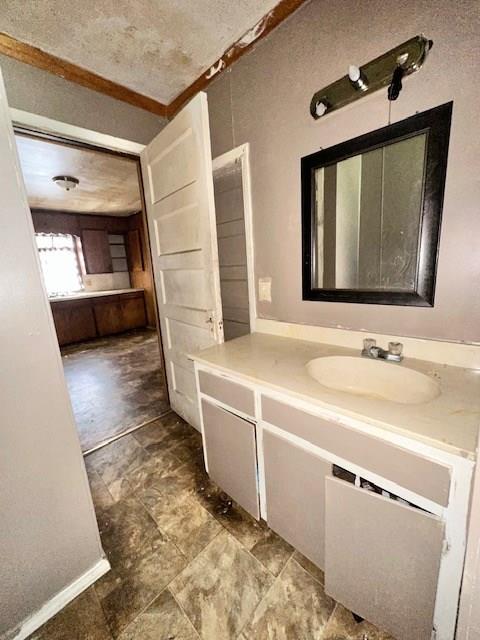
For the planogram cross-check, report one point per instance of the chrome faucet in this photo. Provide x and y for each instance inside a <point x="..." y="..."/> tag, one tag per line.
<point x="393" y="354"/>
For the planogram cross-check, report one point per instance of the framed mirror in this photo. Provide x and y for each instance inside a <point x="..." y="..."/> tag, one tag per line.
<point x="371" y="213"/>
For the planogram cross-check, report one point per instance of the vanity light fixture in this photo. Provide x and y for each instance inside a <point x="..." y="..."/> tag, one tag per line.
<point x="66" y="182"/>
<point x="387" y="70"/>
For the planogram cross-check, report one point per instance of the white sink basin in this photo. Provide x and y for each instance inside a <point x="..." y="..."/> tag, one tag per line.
<point x="373" y="378"/>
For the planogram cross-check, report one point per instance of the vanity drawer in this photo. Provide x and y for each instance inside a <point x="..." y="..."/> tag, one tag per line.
<point x="230" y="393"/>
<point x="411" y="471"/>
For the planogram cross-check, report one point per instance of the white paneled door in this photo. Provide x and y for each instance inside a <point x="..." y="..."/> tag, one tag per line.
<point x="177" y="169"/>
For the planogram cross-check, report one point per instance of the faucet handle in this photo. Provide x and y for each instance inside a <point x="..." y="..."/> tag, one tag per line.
<point x="395" y="348"/>
<point x="368" y="343"/>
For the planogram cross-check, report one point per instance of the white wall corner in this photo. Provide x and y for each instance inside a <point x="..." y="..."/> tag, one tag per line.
<point x="59" y="601"/>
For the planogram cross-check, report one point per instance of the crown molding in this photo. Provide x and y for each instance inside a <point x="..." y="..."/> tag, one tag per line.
<point x="35" y="57"/>
<point x="23" y="52"/>
<point x="243" y="45"/>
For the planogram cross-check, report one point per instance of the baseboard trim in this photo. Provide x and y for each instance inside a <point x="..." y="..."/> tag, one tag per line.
<point x="58" y="602"/>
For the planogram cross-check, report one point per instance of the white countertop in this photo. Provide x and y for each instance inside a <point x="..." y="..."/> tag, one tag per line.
<point x="92" y="294"/>
<point x="450" y="422"/>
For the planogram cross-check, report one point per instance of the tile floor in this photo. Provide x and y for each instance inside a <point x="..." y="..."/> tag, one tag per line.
<point x="187" y="563"/>
<point x="115" y="383"/>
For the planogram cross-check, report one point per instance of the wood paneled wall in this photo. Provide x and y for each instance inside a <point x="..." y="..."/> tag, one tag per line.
<point x="132" y="227"/>
<point x="59" y="222"/>
<point x="140" y="264"/>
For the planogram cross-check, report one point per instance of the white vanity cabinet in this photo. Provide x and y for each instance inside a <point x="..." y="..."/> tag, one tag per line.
<point x="229" y="438"/>
<point x="383" y="515"/>
<point x="295" y="495"/>
<point x="382" y="559"/>
<point x="230" y="455"/>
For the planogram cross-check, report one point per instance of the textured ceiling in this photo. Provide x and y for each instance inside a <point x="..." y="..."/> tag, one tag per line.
<point x="108" y="183"/>
<point x="154" y="47"/>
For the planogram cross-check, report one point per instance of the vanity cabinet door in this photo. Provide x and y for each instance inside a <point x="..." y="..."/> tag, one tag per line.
<point x="231" y="457"/>
<point x="295" y="495"/>
<point x="382" y="559"/>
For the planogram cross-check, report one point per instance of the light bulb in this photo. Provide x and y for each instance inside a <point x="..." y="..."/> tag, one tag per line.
<point x="354" y="73"/>
<point x="357" y="78"/>
<point x="320" y="108"/>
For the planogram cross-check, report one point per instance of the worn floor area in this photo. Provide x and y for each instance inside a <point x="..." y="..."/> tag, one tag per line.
<point x="115" y="384"/>
<point x="187" y="563"/>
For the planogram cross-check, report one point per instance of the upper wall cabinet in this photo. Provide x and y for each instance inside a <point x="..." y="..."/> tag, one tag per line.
<point x="96" y="251"/>
<point x="371" y="213"/>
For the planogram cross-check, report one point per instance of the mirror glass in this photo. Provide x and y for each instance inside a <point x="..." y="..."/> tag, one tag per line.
<point x="367" y="218"/>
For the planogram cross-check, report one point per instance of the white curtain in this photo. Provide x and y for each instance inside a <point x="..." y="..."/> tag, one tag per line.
<point x="60" y="265"/>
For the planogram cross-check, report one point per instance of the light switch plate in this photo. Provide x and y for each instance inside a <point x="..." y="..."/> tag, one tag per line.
<point x="265" y="289"/>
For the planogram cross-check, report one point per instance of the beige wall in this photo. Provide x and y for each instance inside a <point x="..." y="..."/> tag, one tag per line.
<point x="47" y="95"/>
<point x="265" y="100"/>
<point x="48" y="532"/>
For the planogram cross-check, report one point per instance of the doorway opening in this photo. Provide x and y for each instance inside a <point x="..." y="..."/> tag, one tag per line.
<point x="233" y="213"/>
<point x="90" y="229"/>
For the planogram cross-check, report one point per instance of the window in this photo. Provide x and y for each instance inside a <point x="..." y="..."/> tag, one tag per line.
<point x="59" y="257"/>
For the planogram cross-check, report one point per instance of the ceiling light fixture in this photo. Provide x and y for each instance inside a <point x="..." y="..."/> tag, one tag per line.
<point x="66" y="182"/>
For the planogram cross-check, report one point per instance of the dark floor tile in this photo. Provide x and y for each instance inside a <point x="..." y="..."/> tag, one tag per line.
<point x="192" y="479"/>
<point x="295" y="608"/>
<point x="153" y="433"/>
<point x="139" y="579"/>
<point x="116" y="460"/>
<point x="220" y="589"/>
<point x="158" y="491"/>
<point x="153" y="469"/>
<point x="190" y="448"/>
<point x="163" y="620"/>
<point x="82" y="619"/>
<point x="309" y="566"/>
<point x="115" y="384"/>
<point x="101" y="496"/>
<point x="236" y="520"/>
<point x="123" y="527"/>
<point x="343" y="626"/>
<point x="188" y="525"/>
<point x="272" y="551"/>
<point x="163" y="433"/>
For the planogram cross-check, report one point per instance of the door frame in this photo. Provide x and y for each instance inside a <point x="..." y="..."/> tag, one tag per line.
<point x="242" y="153"/>
<point x="55" y="130"/>
<point x="71" y="133"/>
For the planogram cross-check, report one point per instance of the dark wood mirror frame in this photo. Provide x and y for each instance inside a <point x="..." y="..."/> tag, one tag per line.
<point x="435" y="123"/>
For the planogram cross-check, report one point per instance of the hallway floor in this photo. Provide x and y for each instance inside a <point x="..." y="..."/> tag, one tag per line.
<point x="115" y="384"/>
<point x="186" y="562"/>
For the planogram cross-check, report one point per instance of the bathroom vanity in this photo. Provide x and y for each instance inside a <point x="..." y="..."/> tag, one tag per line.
<point x="371" y="484"/>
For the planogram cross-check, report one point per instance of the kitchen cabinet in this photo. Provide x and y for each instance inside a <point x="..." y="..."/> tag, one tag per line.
<point x="96" y="251"/>
<point x="93" y="317"/>
<point x="74" y="321"/>
<point x="123" y="313"/>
